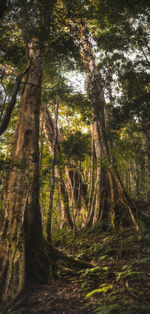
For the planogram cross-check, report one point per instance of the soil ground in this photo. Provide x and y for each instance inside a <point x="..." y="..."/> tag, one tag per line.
<point x="63" y="296"/>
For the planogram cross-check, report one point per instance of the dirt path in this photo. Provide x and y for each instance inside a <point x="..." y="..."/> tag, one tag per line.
<point x="62" y="296"/>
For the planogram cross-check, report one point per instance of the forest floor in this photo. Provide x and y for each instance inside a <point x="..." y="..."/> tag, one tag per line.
<point x="118" y="282"/>
<point x="62" y="296"/>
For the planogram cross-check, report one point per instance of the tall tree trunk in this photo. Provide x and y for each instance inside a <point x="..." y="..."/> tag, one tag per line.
<point x="145" y="149"/>
<point x="92" y="176"/>
<point x="21" y="237"/>
<point x="49" y="130"/>
<point x="112" y="202"/>
<point x="53" y="164"/>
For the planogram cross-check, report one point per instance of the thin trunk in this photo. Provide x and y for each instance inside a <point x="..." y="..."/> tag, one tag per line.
<point x="64" y="195"/>
<point x="145" y="148"/>
<point x="5" y="118"/>
<point x="79" y="189"/>
<point x="98" y="171"/>
<point x="91" y="192"/>
<point x="53" y="164"/>
<point x="49" y="131"/>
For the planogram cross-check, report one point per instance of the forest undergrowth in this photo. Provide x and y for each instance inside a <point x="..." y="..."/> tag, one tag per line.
<point x="117" y="282"/>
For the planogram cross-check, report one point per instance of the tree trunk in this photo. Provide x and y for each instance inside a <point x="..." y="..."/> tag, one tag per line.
<point x="92" y="176"/>
<point x="145" y="149"/>
<point x="112" y="202"/>
<point x="6" y="115"/>
<point x="53" y="164"/>
<point x="21" y="237"/>
<point x="49" y="130"/>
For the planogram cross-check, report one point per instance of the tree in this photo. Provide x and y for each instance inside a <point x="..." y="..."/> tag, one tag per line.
<point x="109" y="188"/>
<point x="111" y="200"/>
<point x="23" y="253"/>
<point x="111" y="194"/>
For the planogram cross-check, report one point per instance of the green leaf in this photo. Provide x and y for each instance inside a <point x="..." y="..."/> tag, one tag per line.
<point x="104" y="288"/>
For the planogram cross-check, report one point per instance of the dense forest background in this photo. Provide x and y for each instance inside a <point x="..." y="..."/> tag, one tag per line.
<point x="74" y="134"/>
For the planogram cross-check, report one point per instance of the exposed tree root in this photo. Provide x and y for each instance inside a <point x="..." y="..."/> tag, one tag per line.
<point x="115" y="207"/>
<point x="70" y="261"/>
<point x="43" y="269"/>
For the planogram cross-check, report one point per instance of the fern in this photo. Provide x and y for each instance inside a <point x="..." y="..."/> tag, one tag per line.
<point x="128" y="273"/>
<point x="103" y="289"/>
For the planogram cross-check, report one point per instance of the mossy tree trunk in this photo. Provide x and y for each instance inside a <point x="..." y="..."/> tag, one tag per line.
<point x="21" y="237"/>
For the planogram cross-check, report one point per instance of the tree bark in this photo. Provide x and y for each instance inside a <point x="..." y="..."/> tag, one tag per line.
<point x="53" y="164"/>
<point x="21" y="237"/>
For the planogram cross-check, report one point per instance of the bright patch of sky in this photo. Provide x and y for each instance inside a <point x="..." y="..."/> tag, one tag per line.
<point x="76" y="80"/>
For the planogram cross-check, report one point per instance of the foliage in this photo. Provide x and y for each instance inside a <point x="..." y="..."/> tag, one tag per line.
<point x="76" y="146"/>
<point x="118" y="279"/>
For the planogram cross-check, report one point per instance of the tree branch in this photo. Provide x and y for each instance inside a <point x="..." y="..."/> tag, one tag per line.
<point x="5" y="121"/>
